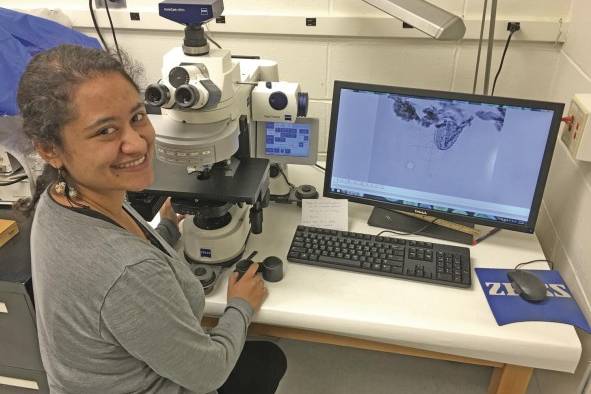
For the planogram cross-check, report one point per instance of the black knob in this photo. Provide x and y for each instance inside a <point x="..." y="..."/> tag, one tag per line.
<point x="242" y="266"/>
<point x="302" y="104"/>
<point x="278" y="101"/>
<point x="256" y="219"/>
<point x="178" y="76"/>
<point x="272" y="269"/>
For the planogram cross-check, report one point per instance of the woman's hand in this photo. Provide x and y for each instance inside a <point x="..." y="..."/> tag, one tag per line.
<point x="250" y="287"/>
<point x="166" y="212"/>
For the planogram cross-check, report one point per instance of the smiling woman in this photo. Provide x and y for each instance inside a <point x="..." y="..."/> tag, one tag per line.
<point x="118" y="310"/>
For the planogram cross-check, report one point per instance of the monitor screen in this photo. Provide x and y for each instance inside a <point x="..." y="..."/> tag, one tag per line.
<point x="289" y="143"/>
<point x="477" y="159"/>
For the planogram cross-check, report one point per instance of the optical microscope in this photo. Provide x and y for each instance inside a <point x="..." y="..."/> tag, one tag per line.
<point x="210" y="102"/>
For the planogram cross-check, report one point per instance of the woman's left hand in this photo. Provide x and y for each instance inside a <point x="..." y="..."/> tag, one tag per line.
<point x="166" y="212"/>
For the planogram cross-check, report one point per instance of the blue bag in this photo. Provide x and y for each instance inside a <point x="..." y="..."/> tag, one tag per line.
<point x="22" y="36"/>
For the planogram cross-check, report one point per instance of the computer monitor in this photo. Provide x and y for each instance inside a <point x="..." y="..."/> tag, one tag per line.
<point x="288" y="143"/>
<point x="461" y="157"/>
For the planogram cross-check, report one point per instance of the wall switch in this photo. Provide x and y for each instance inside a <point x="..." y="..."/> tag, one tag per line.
<point x="112" y="4"/>
<point x="577" y="135"/>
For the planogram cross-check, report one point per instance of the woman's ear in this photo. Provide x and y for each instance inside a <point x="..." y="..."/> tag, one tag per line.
<point x="49" y="153"/>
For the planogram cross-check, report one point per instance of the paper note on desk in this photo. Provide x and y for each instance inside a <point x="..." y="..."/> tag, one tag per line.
<point x="327" y="213"/>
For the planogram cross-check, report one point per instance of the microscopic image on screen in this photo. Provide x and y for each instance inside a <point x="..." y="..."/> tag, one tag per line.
<point x="448" y="118"/>
<point x="464" y="150"/>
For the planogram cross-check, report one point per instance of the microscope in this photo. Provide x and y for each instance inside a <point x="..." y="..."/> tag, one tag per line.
<point x="210" y="102"/>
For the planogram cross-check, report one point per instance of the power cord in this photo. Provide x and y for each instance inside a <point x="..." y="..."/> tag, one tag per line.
<point x="113" y="31"/>
<point x="512" y="27"/>
<point x="13" y="181"/>
<point x="96" y="27"/>
<point x="291" y="185"/>
<point x="536" y="261"/>
<point x="208" y="36"/>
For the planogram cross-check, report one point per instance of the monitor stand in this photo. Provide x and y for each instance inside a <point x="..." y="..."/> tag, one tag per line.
<point x="399" y="222"/>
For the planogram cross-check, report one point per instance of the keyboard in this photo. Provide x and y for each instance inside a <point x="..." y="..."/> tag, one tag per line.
<point x="383" y="256"/>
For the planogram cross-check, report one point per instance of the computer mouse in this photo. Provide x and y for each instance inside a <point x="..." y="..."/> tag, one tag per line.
<point x="527" y="285"/>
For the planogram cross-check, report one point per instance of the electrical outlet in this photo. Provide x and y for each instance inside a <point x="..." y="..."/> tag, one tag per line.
<point x="112" y="4"/>
<point x="577" y="135"/>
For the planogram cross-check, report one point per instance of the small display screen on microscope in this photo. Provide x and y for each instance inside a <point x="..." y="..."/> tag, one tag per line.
<point x="290" y="143"/>
<point x="287" y="139"/>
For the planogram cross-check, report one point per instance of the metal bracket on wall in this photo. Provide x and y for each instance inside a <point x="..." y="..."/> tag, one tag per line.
<point x="112" y="4"/>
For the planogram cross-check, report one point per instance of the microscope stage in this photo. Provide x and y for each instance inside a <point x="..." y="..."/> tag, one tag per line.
<point x="250" y="180"/>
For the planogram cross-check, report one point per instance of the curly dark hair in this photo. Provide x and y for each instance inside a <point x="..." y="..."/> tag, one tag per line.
<point x="45" y="97"/>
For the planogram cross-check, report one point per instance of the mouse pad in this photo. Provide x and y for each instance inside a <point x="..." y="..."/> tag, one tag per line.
<point x="508" y="307"/>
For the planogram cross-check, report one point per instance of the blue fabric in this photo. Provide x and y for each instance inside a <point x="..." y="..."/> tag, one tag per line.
<point x="22" y="36"/>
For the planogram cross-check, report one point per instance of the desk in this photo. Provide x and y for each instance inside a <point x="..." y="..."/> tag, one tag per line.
<point x="400" y="316"/>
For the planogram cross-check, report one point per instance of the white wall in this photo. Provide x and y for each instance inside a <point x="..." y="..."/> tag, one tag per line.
<point x="385" y="54"/>
<point x="564" y="227"/>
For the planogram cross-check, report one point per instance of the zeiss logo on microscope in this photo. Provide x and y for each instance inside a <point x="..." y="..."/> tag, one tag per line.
<point x="205" y="252"/>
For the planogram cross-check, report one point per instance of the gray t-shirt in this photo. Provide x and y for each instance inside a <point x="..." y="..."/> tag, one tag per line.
<point x="116" y="314"/>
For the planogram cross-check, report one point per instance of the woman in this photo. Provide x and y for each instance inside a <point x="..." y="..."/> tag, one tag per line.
<point x="117" y="310"/>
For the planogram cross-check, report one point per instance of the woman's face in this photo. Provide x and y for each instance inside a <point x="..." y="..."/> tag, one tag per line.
<point x="109" y="147"/>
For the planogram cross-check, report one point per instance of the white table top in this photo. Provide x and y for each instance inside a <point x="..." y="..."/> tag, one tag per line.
<point x="397" y="311"/>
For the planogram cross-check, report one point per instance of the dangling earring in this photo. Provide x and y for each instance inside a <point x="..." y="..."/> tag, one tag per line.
<point x="62" y="187"/>
<point x="60" y="184"/>
<point x="72" y="192"/>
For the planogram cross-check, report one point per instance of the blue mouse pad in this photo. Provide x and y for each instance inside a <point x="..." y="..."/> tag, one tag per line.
<point x="508" y="307"/>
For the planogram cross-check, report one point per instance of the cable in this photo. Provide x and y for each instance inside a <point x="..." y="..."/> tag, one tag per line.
<point x="212" y="40"/>
<point x="113" y="31"/>
<point x="285" y="176"/>
<point x="98" y="31"/>
<point x="502" y="61"/>
<point x="13" y="181"/>
<point x="208" y="36"/>
<point x="320" y="167"/>
<point x="536" y="261"/>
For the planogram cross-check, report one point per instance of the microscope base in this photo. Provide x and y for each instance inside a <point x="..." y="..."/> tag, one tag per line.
<point x="223" y="246"/>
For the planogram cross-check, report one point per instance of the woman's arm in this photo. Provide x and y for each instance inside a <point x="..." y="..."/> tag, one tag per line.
<point x="148" y="314"/>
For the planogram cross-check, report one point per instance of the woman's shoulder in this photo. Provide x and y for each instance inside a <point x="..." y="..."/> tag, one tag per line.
<point x="63" y="236"/>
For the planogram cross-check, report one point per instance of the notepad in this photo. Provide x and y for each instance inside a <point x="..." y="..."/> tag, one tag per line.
<point x="332" y="214"/>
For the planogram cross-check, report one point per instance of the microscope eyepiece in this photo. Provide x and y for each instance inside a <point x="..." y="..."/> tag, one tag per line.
<point x="156" y="95"/>
<point x="186" y="96"/>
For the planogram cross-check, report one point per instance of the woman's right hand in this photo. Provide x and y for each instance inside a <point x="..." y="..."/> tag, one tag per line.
<point x="250" y="287"/>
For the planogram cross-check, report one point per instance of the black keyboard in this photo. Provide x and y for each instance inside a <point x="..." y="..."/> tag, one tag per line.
<point x="384" y="256"/>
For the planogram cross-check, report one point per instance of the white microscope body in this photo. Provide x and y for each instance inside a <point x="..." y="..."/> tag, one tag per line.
<point x="203" y="136"/>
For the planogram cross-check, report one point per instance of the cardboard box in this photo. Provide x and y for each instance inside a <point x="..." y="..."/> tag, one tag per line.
<point x="8" y="229"/>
